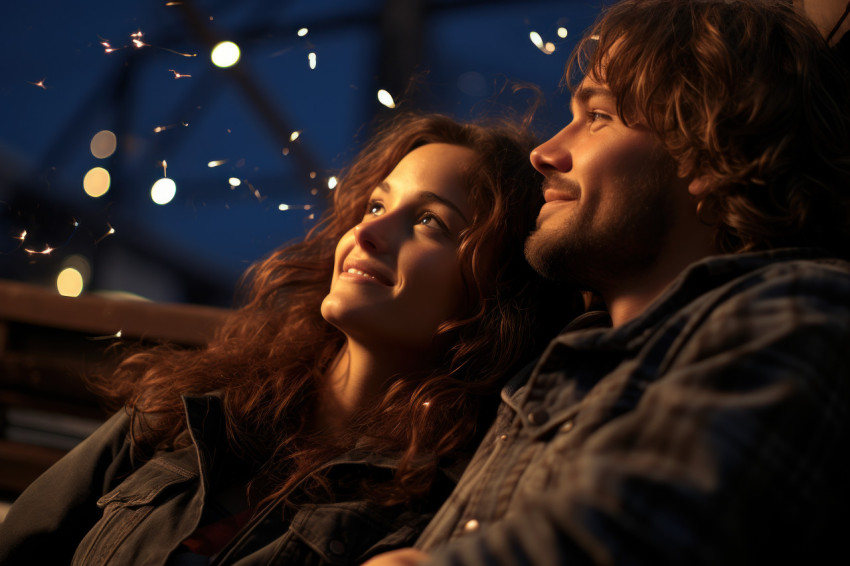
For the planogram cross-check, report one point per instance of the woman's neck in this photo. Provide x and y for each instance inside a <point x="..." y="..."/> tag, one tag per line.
<point x="355" y="380"/>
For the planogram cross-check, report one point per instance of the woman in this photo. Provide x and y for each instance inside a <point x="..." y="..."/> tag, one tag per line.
<point x="346" y="394"/>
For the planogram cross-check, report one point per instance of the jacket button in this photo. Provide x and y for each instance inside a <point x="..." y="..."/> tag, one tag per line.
<point x="471" y="526"/>
<point x="337" y="547"/>
<point x="538" y="416"/>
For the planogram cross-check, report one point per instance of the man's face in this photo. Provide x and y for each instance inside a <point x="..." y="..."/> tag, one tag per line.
<point x="613" y="196"/>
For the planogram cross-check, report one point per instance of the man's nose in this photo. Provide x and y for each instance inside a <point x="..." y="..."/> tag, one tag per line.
<point x="553" y="155"/>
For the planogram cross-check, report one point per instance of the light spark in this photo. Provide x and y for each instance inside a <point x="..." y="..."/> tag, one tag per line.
<point x="179" y="75"/>
<point x="46" y="251"/>
<point x="39" y="84"/>
<point x="216" y="163"/>
<point x="283" y="206"/>
<point x="108" y="233"/>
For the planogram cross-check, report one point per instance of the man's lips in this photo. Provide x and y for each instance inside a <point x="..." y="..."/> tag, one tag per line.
<point x="551" y="194"/>
<point x="366" y="271"/>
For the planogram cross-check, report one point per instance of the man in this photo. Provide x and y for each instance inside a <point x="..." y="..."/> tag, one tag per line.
<point x="702" y="190"/>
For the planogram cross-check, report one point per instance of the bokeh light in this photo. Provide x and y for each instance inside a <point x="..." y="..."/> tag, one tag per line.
<point x="225" y="54"/>
<point x="562" y="32"/>
<point x="386" y="99"/>
<point x="96" y="182"/>
<point x="332" y="183"/>
<point x="163" y="191"/>
<point x="69" y="282"/>
<point x="311" y="59"/>
<point x="103" y="144"/>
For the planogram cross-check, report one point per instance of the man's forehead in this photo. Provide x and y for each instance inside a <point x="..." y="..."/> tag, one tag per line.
<point x="590" y="88"/>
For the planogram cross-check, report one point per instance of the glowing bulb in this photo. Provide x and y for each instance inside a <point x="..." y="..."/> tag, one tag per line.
<point x="549" y="48"/>
<point x="96" y="182"/>
<point x="294" y="136"/>
<point x="69" y="283"/>
<point x="216" y="163"/>
<point x="386" y="98"/>
<point x="332" y="183"/>
<point x="283" y="207"/>
<point x="562" y="32"/>
<point x="225" y="54"/>
<point x="103" y="144"/>
<point x="234" y="182"/>
<point x="311" y="59"/>
<point x="163" y="191"/>
<point x="302" y="32"/>
<point x="536" y="39"/>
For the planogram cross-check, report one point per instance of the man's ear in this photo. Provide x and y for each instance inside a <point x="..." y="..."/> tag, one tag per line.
<point x="699" y="186"/>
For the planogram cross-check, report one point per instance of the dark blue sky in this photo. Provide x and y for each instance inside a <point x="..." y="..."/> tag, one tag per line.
<point x="194" y="248"/>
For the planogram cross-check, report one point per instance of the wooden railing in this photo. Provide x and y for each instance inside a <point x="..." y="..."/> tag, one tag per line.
<point x="47" y="343"/>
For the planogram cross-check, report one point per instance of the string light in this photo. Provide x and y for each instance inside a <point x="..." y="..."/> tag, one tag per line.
<point x="386" y="98"/>
<point x="332" y="181"/>
<point x="302" y="32"/>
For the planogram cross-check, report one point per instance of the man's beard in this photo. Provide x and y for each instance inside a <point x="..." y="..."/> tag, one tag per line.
<point x="589" y="252"/>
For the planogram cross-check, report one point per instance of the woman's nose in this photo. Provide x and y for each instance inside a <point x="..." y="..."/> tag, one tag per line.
<point x="373" y="235"/>
<point x="553" y="155"/>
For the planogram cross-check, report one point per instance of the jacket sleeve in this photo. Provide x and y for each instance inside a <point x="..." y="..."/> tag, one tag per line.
<point x="737" y="453"/>
<point x="48" y="520"/>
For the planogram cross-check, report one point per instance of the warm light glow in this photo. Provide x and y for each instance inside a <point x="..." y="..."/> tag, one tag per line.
<point x="225" y="54"/>
<point x="294" y="135"/>
<point x="386" y="98"/>
<point x="216" y="163"/>
<point x="332" y="183"/>
<point x="285" y="151"/>
<point x="562" y="32"/>
<point x="96" y="182"/>
<point x="302" y="32"/>
<point x="234" y="182"/>
<point x="312" y="174"/>
<point x="536" y="39"/>
<point x="163" y="191"/>
<point x="549" y="48"/>
<point x="103" y="144"/>
<point x="311" y="59"/>
<point x="69" y="283"/>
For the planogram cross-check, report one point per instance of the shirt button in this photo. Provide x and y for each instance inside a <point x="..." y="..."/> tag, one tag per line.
<point x="471" y="526"/>
<point x="538" y="416"/>
<point x="567" y="426"/>
<point x="337" y="547"/>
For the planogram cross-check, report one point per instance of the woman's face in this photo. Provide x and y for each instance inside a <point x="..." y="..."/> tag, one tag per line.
<point x="397" y="276"/>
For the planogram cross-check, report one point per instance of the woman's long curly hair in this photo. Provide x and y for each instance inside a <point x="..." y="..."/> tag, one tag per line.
<point x="269" y="359"/>
<point x="745" y="94"/>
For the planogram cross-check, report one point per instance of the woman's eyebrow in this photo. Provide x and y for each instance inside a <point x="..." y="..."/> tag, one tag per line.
<point x="427" y="197"/>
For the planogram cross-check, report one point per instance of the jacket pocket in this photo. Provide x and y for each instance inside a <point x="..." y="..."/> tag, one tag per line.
<point x="125" y="507"/>
<point x="340" y="534"/>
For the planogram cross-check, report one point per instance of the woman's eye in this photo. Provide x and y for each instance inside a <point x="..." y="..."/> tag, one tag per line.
<point x="375" y="208"/>
<point x="431" y="219"/>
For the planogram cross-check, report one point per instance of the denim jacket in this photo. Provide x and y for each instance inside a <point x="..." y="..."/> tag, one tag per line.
<point x="97" y="506"/>
<point x="712" y="429"/>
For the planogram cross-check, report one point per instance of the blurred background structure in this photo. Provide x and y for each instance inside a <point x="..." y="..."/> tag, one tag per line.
<point x="131" y="162"/>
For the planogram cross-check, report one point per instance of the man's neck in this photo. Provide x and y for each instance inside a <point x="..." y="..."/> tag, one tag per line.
<point x="629" y="295"/>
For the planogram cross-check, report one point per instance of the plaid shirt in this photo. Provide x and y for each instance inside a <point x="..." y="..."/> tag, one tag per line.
<point x="713" y="429"/>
